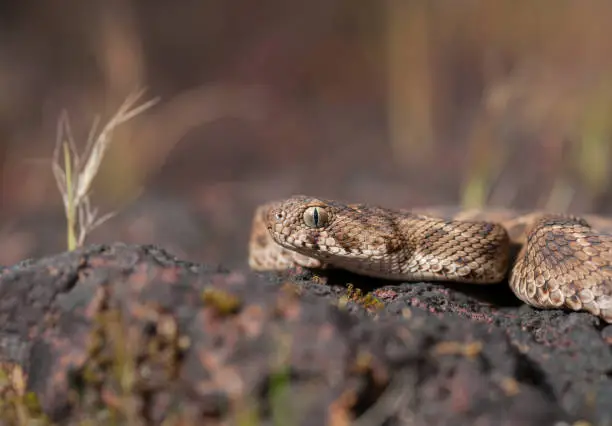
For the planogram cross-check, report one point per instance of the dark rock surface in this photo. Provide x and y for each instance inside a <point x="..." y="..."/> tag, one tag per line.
<point x="131" y="335"/>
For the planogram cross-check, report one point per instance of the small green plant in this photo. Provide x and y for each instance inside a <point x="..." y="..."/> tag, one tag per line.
<point x="74" y="179"/>
<point x="16" y="405"/>
<point x="280" y="384"/>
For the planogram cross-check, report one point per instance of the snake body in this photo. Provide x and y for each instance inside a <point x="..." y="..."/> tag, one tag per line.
<point x="564" y="261"/>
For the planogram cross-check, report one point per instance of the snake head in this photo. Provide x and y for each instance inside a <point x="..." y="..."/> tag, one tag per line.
<point x="349" y="236"/>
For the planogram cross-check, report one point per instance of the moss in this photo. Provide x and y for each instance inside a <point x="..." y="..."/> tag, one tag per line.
<point x="468" y="350"/>
<point x="317" y="279"/>
<point x="368" y="300"/>
<point x="224" y="302"/>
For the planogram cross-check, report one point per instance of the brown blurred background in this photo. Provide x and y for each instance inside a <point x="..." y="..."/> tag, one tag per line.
<point x="399" y="102"/>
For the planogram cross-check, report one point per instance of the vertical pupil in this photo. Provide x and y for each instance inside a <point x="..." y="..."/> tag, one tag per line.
<point x="315" y="217"/>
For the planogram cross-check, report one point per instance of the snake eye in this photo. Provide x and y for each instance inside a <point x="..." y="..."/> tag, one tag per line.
<point x="316" y="217"/>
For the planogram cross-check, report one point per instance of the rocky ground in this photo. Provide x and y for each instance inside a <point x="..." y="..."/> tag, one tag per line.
<point x="127" y="334"/>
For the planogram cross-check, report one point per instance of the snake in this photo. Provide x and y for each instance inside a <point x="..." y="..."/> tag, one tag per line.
<point x="549" y="260"/>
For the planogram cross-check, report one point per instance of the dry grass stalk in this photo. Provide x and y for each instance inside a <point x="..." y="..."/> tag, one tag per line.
<point x="74" y="180"/>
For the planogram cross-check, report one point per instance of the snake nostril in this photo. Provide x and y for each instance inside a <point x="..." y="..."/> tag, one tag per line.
<point x="278" y="215"/>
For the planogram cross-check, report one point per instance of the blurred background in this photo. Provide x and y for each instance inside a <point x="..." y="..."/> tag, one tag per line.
<point x="401" y="103"/>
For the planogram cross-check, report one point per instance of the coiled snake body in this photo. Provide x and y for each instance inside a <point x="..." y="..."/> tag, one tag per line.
<point x="564" y="261"/>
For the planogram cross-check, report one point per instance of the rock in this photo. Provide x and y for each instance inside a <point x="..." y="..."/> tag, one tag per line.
<point x="132" y="334"/>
